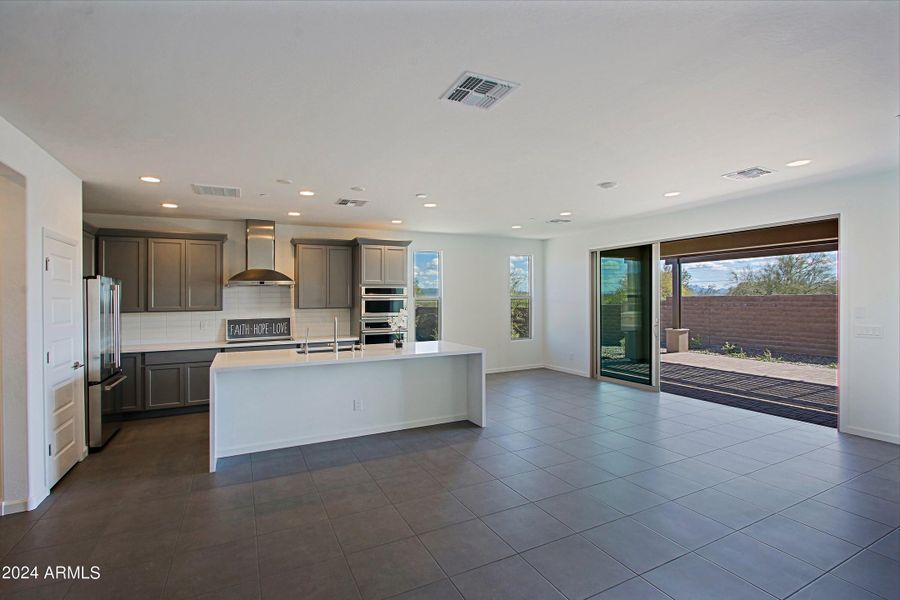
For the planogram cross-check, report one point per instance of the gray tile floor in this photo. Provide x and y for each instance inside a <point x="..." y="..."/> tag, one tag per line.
<point x="577" y="489"/>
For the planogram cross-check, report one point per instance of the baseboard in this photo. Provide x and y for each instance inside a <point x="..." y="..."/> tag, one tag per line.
<point x="868" y="433"/>
<point x="13" y="506"/>
<point x="567" y="370"/>
<point x="315" y="439"/>
<point x="511" y="369"/>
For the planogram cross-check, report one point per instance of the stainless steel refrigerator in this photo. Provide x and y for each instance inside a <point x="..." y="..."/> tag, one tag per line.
<point x="103" y="356"/>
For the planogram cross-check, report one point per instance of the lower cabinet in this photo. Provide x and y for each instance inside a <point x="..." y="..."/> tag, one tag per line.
<point x="164" y="386"/>
<point x="129" y="395"/>
<point x="177" y="379"/>
<point x="197" y="384"/>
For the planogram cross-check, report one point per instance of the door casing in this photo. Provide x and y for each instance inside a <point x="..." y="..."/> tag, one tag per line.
<point x="654" y="311"/>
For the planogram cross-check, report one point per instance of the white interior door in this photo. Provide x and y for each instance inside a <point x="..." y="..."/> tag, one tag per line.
<point x="63" y="372"/>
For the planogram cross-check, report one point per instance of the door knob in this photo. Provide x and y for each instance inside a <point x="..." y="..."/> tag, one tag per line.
<point x="77" y="365"/>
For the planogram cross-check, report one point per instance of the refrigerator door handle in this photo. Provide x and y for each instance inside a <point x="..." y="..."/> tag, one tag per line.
<point x="117" y="323"/>
<point x="119" y="380"/>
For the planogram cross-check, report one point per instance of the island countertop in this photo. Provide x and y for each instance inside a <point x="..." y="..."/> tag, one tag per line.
<point x="275" y="359"/>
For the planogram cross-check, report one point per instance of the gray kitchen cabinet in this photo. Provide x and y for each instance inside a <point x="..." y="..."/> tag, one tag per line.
<point x="164" y="386"/>
<point x="371" y="265"/>
<point x="129" y="395"/>
<point x="88" y="253"/>
<point x="163" y="271"/>
<point x="323" y="270"/>
<point x="125" y="259"/>
<point x="203" y="274"/>
<point x="383" y="263"/>
<point x="197" y="383"/>
<point x="177" y="379"/>
<point x="311" y="276"/>
<point x="166" y="285"/>
<point x="340" y="272"/>
<point x="395" y="261"/>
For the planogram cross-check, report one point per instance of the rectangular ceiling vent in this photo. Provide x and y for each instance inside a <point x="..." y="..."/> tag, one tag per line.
<point x="479" y="91"/>
<point x="350" y="202"/>
<point x="751" y="173"/>
<point x="559" y="221"/>
<point x="222" y="191"/>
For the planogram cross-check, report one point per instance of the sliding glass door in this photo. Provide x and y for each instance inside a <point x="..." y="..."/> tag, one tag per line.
<point x="625" y="328"/>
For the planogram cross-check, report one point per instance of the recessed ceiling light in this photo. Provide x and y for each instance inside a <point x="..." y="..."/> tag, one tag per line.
<point x="307" y="193"/>
<point x="396" y="221"/>
<point x="169" y="205"/>
<point x="421" y="196"/>
<point x="608" y="185"/>
<point x="517" y="227"/>
<point x="284" y="181"/>
<point x="293" y="214"/>
<point x="798" y="163"/>
<point x="566" y="213"/>
<point x="262" y="194"/>
<point x="358" y="188"/>
<point x="430" y="205"/>
<point x="671" y="194"/>
<point x="150" y="179"/>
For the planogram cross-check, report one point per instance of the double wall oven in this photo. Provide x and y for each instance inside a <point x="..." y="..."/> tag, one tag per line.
<point x="378" y="305"/>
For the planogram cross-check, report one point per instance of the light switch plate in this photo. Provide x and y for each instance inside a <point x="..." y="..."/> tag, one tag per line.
<point x="869" y="331"/>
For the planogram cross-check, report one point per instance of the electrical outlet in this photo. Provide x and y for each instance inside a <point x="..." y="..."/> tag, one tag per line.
<point x="357" y="404"/>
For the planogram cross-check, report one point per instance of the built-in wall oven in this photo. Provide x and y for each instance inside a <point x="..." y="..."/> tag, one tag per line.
<point x="382" y="307"/>
<point x="378" y="306"/>
<point x="382" y="337"/>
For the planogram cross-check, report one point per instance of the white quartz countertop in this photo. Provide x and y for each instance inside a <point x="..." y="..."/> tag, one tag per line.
<point x="274" y="359"/>
<point x="135" y="348"/>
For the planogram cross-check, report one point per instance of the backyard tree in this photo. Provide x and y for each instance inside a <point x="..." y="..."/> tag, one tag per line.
<point x="788" y="274"/>
<point x="665" y="282"/>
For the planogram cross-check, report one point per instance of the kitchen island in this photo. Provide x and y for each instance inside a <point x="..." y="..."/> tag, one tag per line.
<point x="273" y="399"/>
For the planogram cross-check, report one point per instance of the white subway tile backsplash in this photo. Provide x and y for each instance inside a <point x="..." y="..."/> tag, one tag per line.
<point x="237" y="303"/>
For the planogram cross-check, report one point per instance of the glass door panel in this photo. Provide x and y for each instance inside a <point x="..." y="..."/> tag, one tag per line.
<point x="624" y="319"/>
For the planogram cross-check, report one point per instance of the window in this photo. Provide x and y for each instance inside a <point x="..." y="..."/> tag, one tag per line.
<point x="520" y="297"/>
<point x="427" y="295"/>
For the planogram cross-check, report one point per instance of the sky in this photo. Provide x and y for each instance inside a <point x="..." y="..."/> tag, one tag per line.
<point x="427" y="270"/>
<point x="717" y="273"/>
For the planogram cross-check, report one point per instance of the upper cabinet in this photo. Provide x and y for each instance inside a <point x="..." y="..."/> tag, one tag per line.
<point x="203" y="274"/>
<point x="165" y="268"/>
<point x="383" y="262"/>
<point x="395" y="265"/>
<point x="162" y="272"/>
<point x="371" y="265"/>
<point x="125" y="259"/>
<point x="323" y="271"/>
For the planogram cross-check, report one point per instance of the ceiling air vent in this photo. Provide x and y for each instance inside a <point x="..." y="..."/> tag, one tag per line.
<point x="751" y="173"/>
<point x="350" y="202"/>
<point x="216" y="190"/>
<point x="479" y="91"/>
<point x="559" y="221"/>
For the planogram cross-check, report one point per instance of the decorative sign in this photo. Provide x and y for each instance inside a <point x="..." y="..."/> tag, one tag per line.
<point x="258" y="329"/>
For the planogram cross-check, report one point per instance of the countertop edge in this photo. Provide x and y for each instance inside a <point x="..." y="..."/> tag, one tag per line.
<point x="464" y="351"/>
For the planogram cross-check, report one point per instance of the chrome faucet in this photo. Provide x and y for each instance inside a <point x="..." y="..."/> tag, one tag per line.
<point x="306" y="346"/>
<point x="335" y="336"/>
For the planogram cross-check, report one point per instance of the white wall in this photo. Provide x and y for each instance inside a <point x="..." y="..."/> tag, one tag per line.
<point x="475" y="287"/>
<point x="869" y="263"/>
<point x="53" y="201"/>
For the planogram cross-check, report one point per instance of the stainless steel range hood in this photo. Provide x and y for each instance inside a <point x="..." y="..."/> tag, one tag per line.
<point x="260" y="257"/>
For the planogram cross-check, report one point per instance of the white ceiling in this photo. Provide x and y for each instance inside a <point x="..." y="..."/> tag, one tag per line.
<point x="656" y="96"/>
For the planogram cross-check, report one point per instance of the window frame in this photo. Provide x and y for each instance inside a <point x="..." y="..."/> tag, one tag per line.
<point x="439" y="298"/>
<point x="529" y="296"/>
